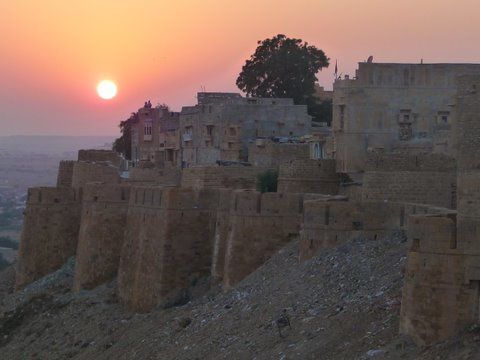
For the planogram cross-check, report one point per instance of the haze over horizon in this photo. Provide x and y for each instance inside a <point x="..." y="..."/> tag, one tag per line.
<point x="54" y="53"/>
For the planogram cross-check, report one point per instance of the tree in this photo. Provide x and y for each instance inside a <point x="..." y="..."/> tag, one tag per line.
<point x="123" y="144"/>
<point x="285" y="68"/>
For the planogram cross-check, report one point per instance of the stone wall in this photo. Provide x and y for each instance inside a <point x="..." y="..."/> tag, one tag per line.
<point x="104" y="217"/>
<point x="259" y="225"/>
<point x="267" y="153"/>
<point x="440" y="293"/>
<point x="49" y="234"/>
<point x="168" y="176"/>
<point x="91" y="155"/>
<point x="85" y="172"/>
<point x="308" y="176"/>
<point x="65" y="173"/>
<point x="442" y="285"/>
<point x="333" y="220"/>
<point x="422" y="178"/>
<point x="168" y="244"/>
<point x="210" y="177"/>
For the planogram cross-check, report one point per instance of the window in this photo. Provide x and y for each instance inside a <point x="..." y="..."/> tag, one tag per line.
<point x="444" y="119"/>
<point x="210" y="130"/>
<point x="232" y="131"/>
<point x="406" y="117"/>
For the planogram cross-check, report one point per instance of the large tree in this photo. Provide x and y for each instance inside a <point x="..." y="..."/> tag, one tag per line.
<point x="123" y="144"/>
<point x="285" y="68"/>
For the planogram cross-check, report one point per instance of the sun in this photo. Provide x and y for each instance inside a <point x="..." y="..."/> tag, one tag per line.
<point x="106" y="89"/>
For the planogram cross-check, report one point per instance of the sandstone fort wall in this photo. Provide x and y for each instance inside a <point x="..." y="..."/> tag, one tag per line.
<point x="84" y="172"/>
<point x="422" y="178"/>
<point x="65" y="173"/>
<point x="104" y="217"/>
<point x="230" y="177"/>
<point x="331" y="221"/>
<point x="91" y="155"/>
<point x="308" y="176"/>
<point x="259" y="225"/>
<point x="168" y="244"/>
<point x="50" y="232"/>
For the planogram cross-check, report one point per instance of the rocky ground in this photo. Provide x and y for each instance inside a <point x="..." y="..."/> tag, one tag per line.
<point x="342" y="304"/>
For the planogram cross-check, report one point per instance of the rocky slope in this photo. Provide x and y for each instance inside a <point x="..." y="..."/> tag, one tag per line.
<point x="342" y="304"/>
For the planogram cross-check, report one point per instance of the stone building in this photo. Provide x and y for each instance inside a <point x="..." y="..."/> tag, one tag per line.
<point x="397" y="107"/>
<point x="156" y="136"/>
<point x="222" y="125"/>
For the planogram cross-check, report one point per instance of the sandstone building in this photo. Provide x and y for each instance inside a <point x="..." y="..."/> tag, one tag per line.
<point x="222" y="125"/>
<point x="156" y="136"/>
<point x="403" y="107"/>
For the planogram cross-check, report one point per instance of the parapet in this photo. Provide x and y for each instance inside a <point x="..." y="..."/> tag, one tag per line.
<point x="65" y="173"/>
<point x="85" y="172"/>
<point x="108" y="156"/>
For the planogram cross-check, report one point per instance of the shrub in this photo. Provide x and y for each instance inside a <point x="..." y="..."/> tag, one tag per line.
<point x="267" y="181"/>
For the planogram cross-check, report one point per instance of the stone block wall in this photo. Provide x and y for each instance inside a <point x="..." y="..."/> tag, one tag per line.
<point x="440" y="293"/>
<point x="168" y="244"/>
<point x="103" y="222"/>
<point x="422" y="178"/>
<point x="331" y="221"/>
<point x="49" y="234"/>
<point x="168" y="176"/>
<point x="91" y="155"/>
<point x="265" y="153"/>
<point x="229" y="177"/>
<point x="259" y="225"/>
<point x="65" y="173"/>
<point x="308" y="176"/>
<point x="85" y="172"/>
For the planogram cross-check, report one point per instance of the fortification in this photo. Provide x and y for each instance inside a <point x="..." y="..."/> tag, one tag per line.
<point x="104" y="217"/>
<point x="229" y="177"/>
<point x="418" y="178"/>
<point x="168" y="176"/>
<point x="259" y="225"/>
<point x="333" y="220"/>
<point x="308" y="176"/>
<point x="107" y="156"/>
<point x="65" y="173"/>
<point x="85" y="172"/>
<point x="168" y="244"/>
<point x="441" y="289"/>
<point x="49" y="234"/>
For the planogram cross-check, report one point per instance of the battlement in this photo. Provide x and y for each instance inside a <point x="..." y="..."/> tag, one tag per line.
<point x="106" y="193"/>
<point x="52" y="196"/>
<point x="92" y="155"/>
<point x="85" y="172"/>
<point x="65" y="173"/>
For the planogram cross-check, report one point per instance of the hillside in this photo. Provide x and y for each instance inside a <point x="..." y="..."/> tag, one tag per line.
<point x="343" y="304"/>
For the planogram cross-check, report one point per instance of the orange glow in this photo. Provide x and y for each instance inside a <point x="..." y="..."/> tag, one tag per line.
<point x="54" y="51"/>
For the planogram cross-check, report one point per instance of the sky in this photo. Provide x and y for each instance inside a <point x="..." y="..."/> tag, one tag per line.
<point x="53" y="53"/>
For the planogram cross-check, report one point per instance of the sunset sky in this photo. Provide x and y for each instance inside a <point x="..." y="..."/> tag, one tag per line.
<point x="53" y="53"/>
